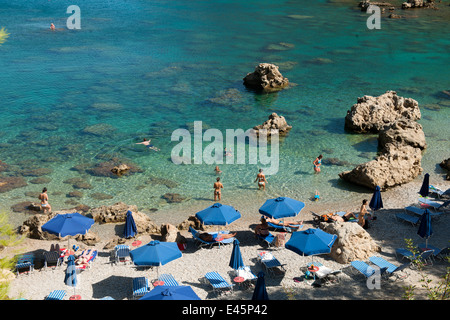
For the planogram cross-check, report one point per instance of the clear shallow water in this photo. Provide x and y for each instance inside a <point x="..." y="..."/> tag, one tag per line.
<point x="146" y="68"/>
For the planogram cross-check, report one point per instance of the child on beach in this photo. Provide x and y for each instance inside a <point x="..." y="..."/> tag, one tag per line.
<point x="316" y="196"/>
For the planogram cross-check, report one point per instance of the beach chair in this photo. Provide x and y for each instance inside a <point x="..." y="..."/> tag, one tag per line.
<point x="202" y="243"/>
<point x="140" y="287"/>
<point x="278" y="227"/>
<point x="25" y="261"/>
<point x="365" y="269"/>
<point x="268" y="240"/>
<point x="407" y="218"/>
<point x="420" y="212"/>
<point x="121" y="253"/>
<point x="168" y="280"/>
<point x="269" y="262"/>
<point x="50" y="258"/>
<point x="218" y="283"/>
<point x="391" y="269"/>
<point x="425" y="256"/>
<point x="435" y="190"/>
<point x="429" y="203"/>
<point x="425" y="247"/>
<point x="444" y="253"/>
<point x="56" y="295"/>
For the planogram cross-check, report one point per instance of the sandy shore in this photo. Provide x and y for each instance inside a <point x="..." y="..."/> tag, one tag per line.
<point x="106" y="279"/>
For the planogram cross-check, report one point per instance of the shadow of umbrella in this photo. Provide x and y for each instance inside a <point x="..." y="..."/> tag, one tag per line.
<point x="116" y="287"/>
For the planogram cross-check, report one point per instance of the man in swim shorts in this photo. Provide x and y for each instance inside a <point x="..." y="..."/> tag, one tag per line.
<point x="261" y="178"/>
<point x="217" y="192"/>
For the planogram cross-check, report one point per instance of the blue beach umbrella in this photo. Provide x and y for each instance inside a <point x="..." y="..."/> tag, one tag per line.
<point x="311" y="242"/>
<point x="236" y="261"/>
<point x="155" y="253"/>
<point x="425" y="189"/>
<point x="425" y="229"/>
<point x="260" y="292"/>
<point x="69" y="224"/>
<point x="130" y="226"/>
<point x="376" y="202"/>
<point x="218" y="214"/>
<point x="70" y="278"/>
<point x="171" y="293"/>
<point x="281" y="207"/>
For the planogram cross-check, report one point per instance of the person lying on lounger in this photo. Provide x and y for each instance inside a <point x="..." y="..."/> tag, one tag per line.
<point x="295" y="224"/>
<point x="346" y="217"/>
<point x="205" y="236"/>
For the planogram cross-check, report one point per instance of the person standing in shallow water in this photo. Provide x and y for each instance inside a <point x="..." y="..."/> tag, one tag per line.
<point x="317" y="164"/>
<point x="261" y="178"/>
<point x="217" y="192"/>
<point x="44" y="201"/>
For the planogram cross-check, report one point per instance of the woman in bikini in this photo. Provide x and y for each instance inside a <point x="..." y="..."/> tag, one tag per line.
<point x="263" y="228"/>
<point x="317" y="163"/>
<point x="44" y="201"/>
<point x="217" y="192"/>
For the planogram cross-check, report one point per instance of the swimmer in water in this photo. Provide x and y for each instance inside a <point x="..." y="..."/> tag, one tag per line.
<point x="52" y="27"/>
<point x="146" y="142"/>
<point x="217" y="170"/>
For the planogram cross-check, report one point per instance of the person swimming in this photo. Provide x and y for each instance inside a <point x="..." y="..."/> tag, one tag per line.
<point x="146" y="142"/>
<point x="52" y="27"/>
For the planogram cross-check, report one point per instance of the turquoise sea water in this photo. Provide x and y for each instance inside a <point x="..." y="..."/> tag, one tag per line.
<point x="145" y="68"/>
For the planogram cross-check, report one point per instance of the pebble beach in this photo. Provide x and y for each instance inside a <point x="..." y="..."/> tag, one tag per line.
<point x="105" y="279"/>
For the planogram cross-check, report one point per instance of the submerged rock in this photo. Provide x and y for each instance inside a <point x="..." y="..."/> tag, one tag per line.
<point x="10" y="183"/>
<point x="173" y="197"/>
<point x="267" y="78"/>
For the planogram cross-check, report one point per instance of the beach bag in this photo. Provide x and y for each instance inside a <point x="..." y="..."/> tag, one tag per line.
<point x="280" y="240"/>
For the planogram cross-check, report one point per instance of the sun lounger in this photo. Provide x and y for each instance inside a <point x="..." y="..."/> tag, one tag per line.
<point x="121" y="253"/>
<point x="407" y="218"/>
<point x="391" y="269"/>
<point x="425" y="256"/>
<point x="202" y="243"/>
<point x="25" y="261"/>
<point x="429" y="203"/>
<point x="56" y="295"/>
<point x="168" y="280"/>
<point x="436" y="250"/>
<point x="278" y="227"/>
<point x="218" y="283"/>
<point x="420" y="212"/>
<point x="269" y="262"/>
<point x="268" y="240"/>
<point x="363" y="268"/>
<point x="50" y="258"/>
<point x="140" y="287"/>
<point x="444" y="253"/>
<point x="435" y="190"/>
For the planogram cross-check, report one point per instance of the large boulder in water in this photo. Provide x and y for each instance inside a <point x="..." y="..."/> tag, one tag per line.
<point x="267" y="78"/>
<point x="372" y="114"/>
<point x="274" y="124"/>
<point x="400" y="161"/>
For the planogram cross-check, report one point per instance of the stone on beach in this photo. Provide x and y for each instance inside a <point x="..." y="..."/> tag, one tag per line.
<point x="267" y="78"/>
<point x="353" y="242"/>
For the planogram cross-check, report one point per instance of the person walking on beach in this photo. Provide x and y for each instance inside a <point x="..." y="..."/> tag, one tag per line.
<point x="261" y="178"/>
<point x="317" y="163"/>
<point x="217" y="192"/>
<point x="44" y="201"/>
<point x="146" y="142"/>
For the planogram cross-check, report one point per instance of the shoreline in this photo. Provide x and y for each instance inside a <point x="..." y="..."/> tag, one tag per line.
<point x="105" y="279"/>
